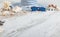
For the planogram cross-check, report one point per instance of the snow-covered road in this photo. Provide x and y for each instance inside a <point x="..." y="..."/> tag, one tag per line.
<point x="45" y="22"/>
<point x="49" y="28"/>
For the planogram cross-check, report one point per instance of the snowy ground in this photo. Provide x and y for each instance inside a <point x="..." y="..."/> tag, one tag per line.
<point x="42" y="24"/>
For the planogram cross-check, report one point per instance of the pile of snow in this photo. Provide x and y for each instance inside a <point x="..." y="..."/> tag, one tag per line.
<point x="17" y="9"/>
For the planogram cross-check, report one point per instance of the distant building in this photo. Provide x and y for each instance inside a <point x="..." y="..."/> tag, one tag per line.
<point x="52" y="7"/>
<point x="28" y="2"/>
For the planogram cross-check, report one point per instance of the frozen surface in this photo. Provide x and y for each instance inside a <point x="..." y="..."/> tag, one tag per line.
<point x="49" y="28"/>
<point x="42" y="24"/>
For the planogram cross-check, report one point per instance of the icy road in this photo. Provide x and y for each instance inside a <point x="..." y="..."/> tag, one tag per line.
<point x="43" y="24"/>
